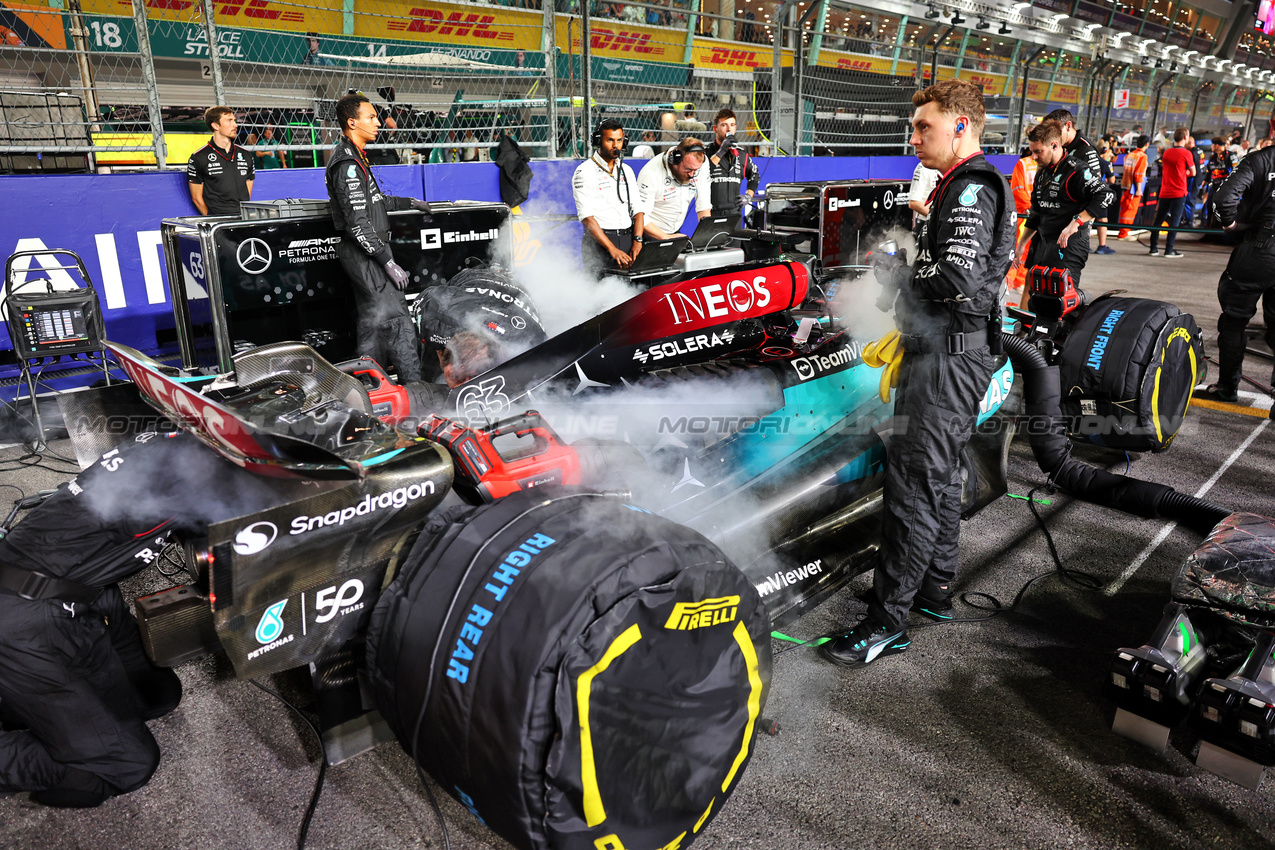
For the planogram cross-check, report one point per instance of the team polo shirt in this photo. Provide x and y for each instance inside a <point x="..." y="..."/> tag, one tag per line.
<point x="604" y="195"/>
<point x="225" y="177"/>
<point x="664" y="199"/>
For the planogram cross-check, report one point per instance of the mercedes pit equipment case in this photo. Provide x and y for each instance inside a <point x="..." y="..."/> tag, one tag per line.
<point x="844" y="218"/>
<point x="272" y="273"/>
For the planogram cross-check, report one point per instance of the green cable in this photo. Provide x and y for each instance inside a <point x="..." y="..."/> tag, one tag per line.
<point x="814" y="642"/>
<point x="1026" y="499"/>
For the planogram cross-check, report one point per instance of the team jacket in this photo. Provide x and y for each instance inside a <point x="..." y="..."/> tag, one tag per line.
<point x="358" y="205"/>
<point x="964" y="250"/>
<point x="727" y="176"/>
<point x="1087" y="155"/>
<point x="114" y="517"/>
<point x="1248" y="195"/>
<point x="1062" y="192"/>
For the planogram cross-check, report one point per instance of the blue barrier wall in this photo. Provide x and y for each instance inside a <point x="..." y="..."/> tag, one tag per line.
<point x="112" y="221"/>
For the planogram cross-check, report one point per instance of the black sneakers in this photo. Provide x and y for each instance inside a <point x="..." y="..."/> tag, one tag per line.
<point x="935" y="604"/>
<point x="867" y="642"/>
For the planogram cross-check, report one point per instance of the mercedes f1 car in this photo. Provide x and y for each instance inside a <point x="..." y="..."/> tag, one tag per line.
<point x="425" y="538"/>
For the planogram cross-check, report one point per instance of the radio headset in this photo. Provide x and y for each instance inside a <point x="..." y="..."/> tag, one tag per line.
<point x="595" y="139"/>
<point x="679" y="153"/>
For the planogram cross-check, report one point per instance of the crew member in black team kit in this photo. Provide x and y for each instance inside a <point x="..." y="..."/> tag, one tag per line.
<point x="385" y="331"/>
<point x="945" y="307"/>
<point x="220" y="174"/>
<point x="76" y="687"/>
<point x="1064" y="202"/>
<point x="1245" y="203"/>
<point x="729" y="167"/>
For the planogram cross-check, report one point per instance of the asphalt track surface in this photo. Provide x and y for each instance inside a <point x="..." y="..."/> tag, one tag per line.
<point x="990" y="734"/>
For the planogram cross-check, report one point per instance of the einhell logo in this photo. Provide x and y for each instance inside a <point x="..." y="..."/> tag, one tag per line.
<point x="254" y="9"/>
<point x="854" y="64"/>
<point x="622" y="41"/>
<point x="699" y="615"/>
<point x="458" y="24"/>
<point x="726" y="58"/>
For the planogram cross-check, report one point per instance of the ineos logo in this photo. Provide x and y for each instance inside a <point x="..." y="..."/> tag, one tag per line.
<point x="254" y="538"/>
<point x="253" y="256"/>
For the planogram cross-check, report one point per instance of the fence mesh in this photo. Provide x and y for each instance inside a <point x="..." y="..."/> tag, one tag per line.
<point x="62" y="74"/>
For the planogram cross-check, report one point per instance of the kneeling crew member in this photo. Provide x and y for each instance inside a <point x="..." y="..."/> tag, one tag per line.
<point x="1245" y="202"/>
<point x="944" y="304"/>
<point x="76" y="687"/>
<point x="1064" y="201"/>
<point x="603" y="187"/>
<point x="667" y="185"/>
<point x="384" y="329"/>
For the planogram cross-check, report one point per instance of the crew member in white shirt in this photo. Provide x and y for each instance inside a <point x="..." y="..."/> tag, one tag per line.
<point x="667" y="185"/>
<point x="603" y="189"/>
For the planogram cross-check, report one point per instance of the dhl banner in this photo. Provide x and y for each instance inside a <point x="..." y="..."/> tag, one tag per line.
<point x="24" y="25"/>
<point x="855" y="62"/>
<point x="714" y="54"/>
<point x="304" y="16"/>
<point x="614" y="39"/>
<point x="452" y="24"/>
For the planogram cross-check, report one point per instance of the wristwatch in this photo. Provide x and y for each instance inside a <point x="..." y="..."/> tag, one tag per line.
<point x="637" y="238"/>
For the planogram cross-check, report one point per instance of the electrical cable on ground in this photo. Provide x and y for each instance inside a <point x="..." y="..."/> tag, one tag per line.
<point x="994" y="607"/>
<point x="323" y="764"/>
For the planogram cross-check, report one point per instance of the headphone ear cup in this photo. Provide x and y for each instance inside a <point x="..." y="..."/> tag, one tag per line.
<point x="675" y="156"/>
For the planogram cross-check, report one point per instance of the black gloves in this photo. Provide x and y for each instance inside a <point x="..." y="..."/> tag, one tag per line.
<point x="419" y="205"/>
<point x="397" y="274"/>
<point x="728" y="143"/>
<point x="886" y="266"/>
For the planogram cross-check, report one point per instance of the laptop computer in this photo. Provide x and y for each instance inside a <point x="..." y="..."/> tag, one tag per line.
<point x="715" y="231"/>
<point x="655" y="256"/>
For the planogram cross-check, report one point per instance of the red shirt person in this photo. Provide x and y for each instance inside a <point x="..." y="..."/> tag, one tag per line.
<point x="1176" y="165"/>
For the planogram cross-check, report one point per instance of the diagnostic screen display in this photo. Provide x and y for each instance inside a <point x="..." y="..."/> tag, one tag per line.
<point x="50" y="326"/>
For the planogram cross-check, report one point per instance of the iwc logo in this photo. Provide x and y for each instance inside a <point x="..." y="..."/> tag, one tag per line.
<point x="253" y="256"/>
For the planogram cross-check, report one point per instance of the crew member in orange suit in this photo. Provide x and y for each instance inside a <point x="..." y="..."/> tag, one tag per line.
<point x="1133" y="184"/>
<point x="1021" y="181"/>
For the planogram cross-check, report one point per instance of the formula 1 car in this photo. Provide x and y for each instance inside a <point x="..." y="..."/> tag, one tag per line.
<point x="729" y="402"/>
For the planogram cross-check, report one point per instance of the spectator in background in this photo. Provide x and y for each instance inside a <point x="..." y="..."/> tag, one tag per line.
<point x="1021" y="182"/>
<point x="1133" y="185"/>
<point x="269" y="158"/>
<point x="646" y="150"/>
<point x="1129" y="139"/>
<point x="688" y="123"/>
<point x="1243" y="148"/>
<point x="1262" y="144"/>
<point x="1105" y="157"/>
<point x="1176" y="166"/>
<point x="1218" y="168"/>
<point x="633" y="14"/>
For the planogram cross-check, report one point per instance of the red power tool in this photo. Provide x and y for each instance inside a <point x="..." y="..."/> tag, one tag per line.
<point x="1053" y="293"/>
<point x="391" y="402"/>
<point x="484" y="474"/>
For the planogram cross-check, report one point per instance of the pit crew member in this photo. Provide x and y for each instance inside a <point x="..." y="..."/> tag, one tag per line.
<point x="730" y="167"/>
<point x="359" y="209"/>
<point x="220" y="174"/>
<point x="667" y="185"/>
<point x="1064" y="201"/>
<point x="1245" y="203"/>
<point x="945" y="303"/>
<point x="603" y="188"/>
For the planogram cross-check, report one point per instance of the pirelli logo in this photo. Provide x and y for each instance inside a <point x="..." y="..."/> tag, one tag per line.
<point x="700" y="615"/>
